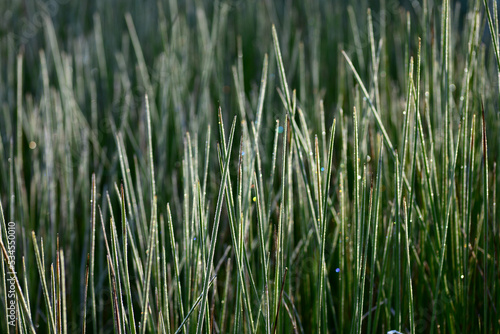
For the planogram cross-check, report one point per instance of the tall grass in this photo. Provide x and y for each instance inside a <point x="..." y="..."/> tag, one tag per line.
<point x="261" y="167"/>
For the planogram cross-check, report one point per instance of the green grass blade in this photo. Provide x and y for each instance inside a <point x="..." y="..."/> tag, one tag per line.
<point x="215" y="230"/>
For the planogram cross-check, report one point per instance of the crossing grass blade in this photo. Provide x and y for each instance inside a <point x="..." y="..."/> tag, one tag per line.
<point x="193" y="308"/>
<point x="215" y="228"/>
<point x="380" y="125"/>
<point x="235" y="239"/>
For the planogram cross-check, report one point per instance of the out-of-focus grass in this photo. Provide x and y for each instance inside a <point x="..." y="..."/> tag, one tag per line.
<point x="256" y="167"/>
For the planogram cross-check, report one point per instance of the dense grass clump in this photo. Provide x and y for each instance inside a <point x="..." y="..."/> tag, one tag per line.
<point x="249" y="167"/>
